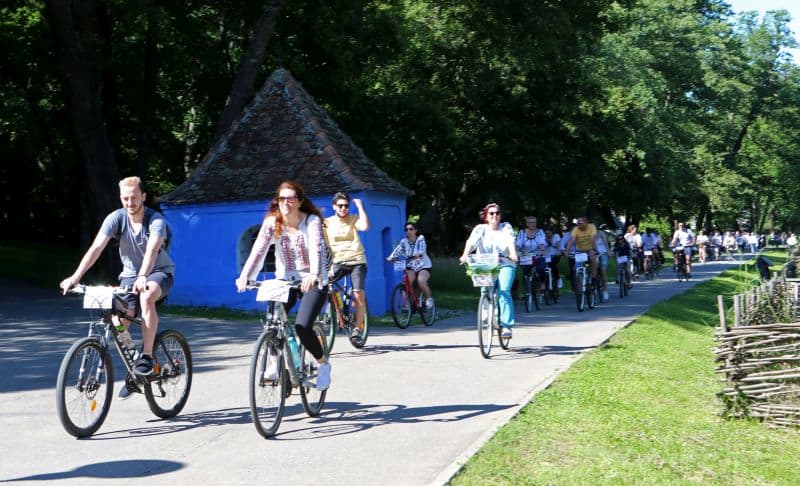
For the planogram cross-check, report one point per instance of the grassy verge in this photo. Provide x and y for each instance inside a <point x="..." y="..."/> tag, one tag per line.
<point x="642" y="409"/>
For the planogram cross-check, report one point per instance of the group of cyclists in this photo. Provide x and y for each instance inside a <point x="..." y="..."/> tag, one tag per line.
<point x="313" y="250"/>
<point x="309" y="249"/>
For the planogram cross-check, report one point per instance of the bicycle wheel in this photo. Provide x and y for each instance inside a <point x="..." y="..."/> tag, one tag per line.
<point x="326" y="319"/>
<point x="84" y="387"/>
<point x="359" y="341"/>
<point x="428" y="313"/>
<point x="504" y="342"/>
<point x="168" y="389"/>
<point x="267" y="398"/>
<point x="312" y="399"/>
<point x="401" y="306"/>
<point x="485" y="319"/>
<point x="535" y="292"/>
<point x="591" y="295"/>
<point x="580" y="296"/>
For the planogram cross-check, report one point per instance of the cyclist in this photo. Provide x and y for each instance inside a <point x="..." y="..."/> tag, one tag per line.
<point x="554" y="252"/>
<point x="702" y="246"/>
<point x="146" y="266"/>
<point x="685" y="238"/>
<point x="602" y="260"/>
<point x="418" y="263"/>
<point x="650" y="243"/>
<point x="349" y="257"/>
<point x="531" y="244"/>
<point x="294" y="225"/>
<point x="716" y="244"/>
<point x="495" y="237"/>
<point x="584" y="239"/>
<point x="622" y="248"/>
<point x="634" y="239"/>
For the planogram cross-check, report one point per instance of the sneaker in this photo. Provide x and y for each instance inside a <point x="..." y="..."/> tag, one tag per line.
<point x="429" y="302"/>
<point x="323" y="376"/>
<point x="605" y="296"/>
<point x="506" y="333"/>
<point x="355" y="333"/>
<point x="144" y="366"/>
<point x="128" y="388"/>
<point x="272" y="373"/>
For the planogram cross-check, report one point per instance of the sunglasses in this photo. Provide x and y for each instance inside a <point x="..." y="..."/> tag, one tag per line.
<point x="411" y="229"/>
<point x="342" y="205"/>
<point x="493" y="213"/>
<point x="284" y="199"/>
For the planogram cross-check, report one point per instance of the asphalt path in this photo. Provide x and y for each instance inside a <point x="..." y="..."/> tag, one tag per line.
<point x="408" y="409"/>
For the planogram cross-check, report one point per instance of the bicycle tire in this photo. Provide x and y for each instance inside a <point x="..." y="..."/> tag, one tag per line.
<point x="429" y="313"/>
<point x="401" y="306"/>
<point x="546" y="295"/>
<point x="267" y="398"/>
<point x="168" y="389"/>
<point x="504" y="342"/>
<point x="83" y="401"/>
<point x="361" y="340"/>
<point x="580" y="301"/>
<point x="485" y="319"/>
<point x="535" y="292"/>
<point x="326" y="319"/>
<point x="591" y="296"/>
<point x="313" y="399"/>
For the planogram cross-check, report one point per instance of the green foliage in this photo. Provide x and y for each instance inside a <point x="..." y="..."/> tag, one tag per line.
<point x="670" y="108"/>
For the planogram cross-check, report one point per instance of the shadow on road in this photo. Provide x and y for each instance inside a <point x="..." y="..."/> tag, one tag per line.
<point x="134" y="468"/>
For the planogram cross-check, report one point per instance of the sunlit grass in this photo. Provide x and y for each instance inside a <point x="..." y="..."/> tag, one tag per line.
<point x="642" y="409"/>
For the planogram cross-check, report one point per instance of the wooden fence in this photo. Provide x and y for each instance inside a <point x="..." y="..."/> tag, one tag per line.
<point x="759" y="353"/>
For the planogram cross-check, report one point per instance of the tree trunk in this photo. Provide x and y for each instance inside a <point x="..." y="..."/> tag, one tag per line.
<point x="244" y="82"/>
<point x="102" y="174"/>
<point x="147" y="119"/>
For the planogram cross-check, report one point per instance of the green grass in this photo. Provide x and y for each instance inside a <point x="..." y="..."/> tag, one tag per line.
<point x="642" y="409"/>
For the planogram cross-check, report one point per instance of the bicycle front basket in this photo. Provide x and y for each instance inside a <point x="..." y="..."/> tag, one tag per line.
<point x="273" y="291"/>
<point x="98" y="297"/>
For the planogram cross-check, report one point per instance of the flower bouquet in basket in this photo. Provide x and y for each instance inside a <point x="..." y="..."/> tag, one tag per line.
<point x="483" y="268"/>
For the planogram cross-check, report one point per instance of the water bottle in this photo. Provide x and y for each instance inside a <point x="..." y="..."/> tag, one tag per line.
<point x="293" y="347"/>
<point x="126" y="341"/>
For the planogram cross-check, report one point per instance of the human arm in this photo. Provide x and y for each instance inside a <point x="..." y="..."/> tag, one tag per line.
<point x="89" y="259"/>
<point x="362" y="223"/>
<point x="316" y="260"/>
<point x="398" y="250"/>
<point x="257" y="252"/>
<point x="472" y="242"/>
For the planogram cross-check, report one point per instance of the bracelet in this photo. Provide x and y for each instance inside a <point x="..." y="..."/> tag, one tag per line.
<point x="145" y="276"/>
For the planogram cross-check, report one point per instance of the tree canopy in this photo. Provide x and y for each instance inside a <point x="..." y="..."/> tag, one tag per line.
<point x="676" y="109"/>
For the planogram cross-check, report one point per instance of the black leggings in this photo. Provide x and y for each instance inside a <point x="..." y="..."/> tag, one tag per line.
<point x="310" y="304"/>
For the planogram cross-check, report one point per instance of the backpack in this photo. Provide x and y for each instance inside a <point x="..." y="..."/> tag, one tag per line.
<point x="327" y="254"/>
<point x="148" y="217"/>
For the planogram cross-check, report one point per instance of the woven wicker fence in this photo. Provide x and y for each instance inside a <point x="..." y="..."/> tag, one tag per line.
<point x="759" y="353"/>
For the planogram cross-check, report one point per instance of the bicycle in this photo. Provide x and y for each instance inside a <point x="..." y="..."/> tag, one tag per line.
<point x="550" y="286"/>
<point x="296" y="367"/>
<point x="531" y="283"/>
<point x="483" y="269"/>
<point x="406" y="301"/>
<point x="338" y="313"/>
<point x="679" y="259"/>
<point x="622" y="276"/>
<point x="650" y="266"/>
<point x="584" y="287"/>
<point x="85" y="382"/>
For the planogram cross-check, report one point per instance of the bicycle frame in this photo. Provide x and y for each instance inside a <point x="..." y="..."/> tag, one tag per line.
<point x="278" y="320"/>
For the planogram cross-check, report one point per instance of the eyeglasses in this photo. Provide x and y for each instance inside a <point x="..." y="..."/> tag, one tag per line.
<point x="285" y="199"/>
<point x="342" y="205"/>
<point x="493" y="213"/>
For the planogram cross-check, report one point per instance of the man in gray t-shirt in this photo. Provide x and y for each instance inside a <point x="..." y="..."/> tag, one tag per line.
<point x="147" y="267"/>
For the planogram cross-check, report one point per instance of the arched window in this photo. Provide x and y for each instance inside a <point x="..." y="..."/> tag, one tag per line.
<point x="244" y="246"/>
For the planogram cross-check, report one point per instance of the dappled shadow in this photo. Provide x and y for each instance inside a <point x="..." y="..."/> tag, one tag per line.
<point x="528" y="352"/>
<point x="133" y="468"/>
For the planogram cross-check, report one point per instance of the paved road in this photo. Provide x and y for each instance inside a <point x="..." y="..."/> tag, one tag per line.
<point x="407" y="410"/>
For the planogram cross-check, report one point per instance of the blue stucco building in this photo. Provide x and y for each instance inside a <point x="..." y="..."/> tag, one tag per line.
<point x="282" y="135"/>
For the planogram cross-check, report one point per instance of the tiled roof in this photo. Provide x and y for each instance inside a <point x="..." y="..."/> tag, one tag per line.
<point x="282" y="135"/>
